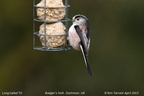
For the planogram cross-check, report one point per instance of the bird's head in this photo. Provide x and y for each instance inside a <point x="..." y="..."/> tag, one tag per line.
<point x="79" y="19"/>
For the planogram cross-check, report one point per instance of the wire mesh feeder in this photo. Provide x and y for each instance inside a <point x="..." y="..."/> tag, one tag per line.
<point x="50" y="24"/>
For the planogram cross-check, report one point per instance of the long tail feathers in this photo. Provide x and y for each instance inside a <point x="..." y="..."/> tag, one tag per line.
<point x="86" y="61"/>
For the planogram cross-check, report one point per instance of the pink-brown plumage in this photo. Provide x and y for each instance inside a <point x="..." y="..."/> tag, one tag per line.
<point x="74" y="38"/>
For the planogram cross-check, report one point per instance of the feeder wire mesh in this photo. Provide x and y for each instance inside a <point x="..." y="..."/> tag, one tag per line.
<point x="50" y="24"/>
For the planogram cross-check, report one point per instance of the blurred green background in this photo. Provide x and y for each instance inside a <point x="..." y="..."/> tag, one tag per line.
<point x="116" y="53"/>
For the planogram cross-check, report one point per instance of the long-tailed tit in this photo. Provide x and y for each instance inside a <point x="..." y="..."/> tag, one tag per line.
<point x="79" y="37"/>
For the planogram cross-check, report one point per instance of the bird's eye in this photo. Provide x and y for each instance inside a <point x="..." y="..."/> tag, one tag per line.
<point x="77" y="19"/>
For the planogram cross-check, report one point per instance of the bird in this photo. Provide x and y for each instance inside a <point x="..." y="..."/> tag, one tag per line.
<point x="79" y="37"/>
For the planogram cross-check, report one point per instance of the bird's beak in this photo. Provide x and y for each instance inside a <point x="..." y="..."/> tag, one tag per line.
<point x="73" y="20"/>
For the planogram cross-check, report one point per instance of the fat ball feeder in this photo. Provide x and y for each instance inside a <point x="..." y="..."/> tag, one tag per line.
<point x="50" y="25"/>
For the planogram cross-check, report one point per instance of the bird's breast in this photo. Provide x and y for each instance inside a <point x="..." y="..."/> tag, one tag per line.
<point x="74" y="38"/>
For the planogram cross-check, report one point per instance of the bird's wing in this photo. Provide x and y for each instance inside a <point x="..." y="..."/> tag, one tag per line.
<point x="88" y="45"/>
<point x="82" y="33"/>
<point x="83" y="46"/>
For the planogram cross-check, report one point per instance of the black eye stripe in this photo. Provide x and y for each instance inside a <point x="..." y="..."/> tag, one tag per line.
<point x="77" y="16"/>
<point x="80" y="16"/>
